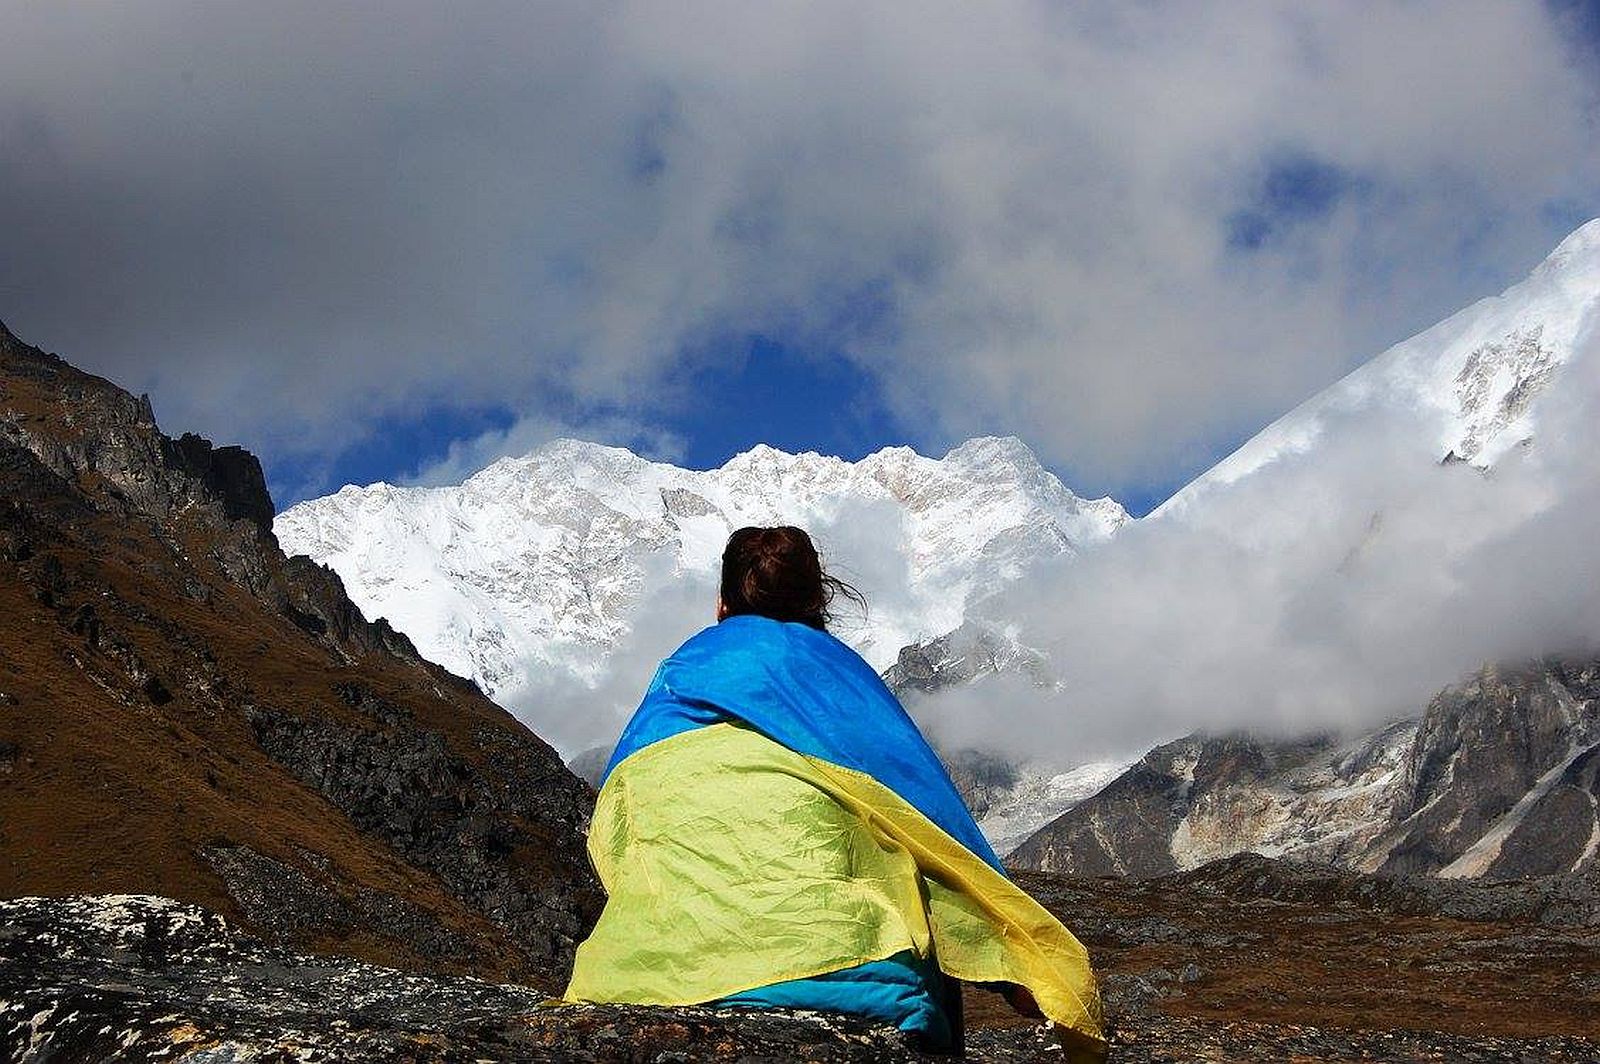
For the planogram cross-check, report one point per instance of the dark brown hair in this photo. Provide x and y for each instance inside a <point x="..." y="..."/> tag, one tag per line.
<point x="775" y="572"/>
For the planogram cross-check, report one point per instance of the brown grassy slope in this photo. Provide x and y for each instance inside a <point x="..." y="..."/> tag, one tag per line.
<point x="153" y="641"/>
<point x="1338" y="951"/>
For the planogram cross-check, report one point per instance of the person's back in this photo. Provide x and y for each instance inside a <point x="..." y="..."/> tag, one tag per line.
<point x="773" y="831"/>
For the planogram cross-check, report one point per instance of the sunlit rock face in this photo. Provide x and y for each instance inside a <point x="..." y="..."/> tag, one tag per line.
<point x="1201" y="798"/>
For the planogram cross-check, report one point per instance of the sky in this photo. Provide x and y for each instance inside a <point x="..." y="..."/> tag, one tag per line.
<point x="397" y="241"/>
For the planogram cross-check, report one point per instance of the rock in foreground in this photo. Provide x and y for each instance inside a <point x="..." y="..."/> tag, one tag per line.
<point x="141" y="978"/>
<point x="1244" y="960"/>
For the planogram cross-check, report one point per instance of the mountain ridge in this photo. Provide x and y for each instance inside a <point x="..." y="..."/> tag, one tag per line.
<point x="1489" y="361"/>
<point x="536" y="565"/>
<point x="1499" y="779"/>
<point x="186" y="711"/>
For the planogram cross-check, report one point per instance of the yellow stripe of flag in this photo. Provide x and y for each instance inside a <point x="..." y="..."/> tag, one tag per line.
<point x="732" y="862"/>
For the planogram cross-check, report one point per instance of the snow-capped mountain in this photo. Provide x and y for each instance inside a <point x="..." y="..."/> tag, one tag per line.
<point x="1334" y="571"/>
<point x="1359" y="554"/>
<point x="1465" y="389"/>
<point x="1427" y="516"/>
<point x="534" y="570"/>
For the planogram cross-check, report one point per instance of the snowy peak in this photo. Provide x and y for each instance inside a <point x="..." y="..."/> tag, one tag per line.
<point x="538" y="566"/>
<point x="992" y="495"/>
<point x="1576" y="257"/>
<point x="995" y="452"/>
<point x="1466" y="389"/>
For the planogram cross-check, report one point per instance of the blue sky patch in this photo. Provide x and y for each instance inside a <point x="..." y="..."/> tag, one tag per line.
<point x="772" y="393"/>
<point x="398" y="444"/>
<point x="757" y="391"/>
<point x="1294" y="189"/>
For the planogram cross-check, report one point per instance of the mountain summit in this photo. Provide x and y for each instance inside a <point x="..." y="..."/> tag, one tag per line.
<point x="1464" y="389"/>
<point x="538" y="566"/>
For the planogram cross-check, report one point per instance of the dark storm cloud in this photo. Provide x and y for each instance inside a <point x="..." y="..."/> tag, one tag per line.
<point x="286" y="220"/>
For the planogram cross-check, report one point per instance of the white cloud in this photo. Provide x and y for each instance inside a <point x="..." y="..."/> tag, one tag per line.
<point x="1333" y="588"/>
<point x="288" y="221"/>
<point x="575" y="714"/>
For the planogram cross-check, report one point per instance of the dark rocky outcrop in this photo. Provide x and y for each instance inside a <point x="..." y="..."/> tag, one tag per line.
<point x="957" y="658"/>
<point x="983" y="777"/>
<point x="147" y="979"/>
<point x="184" y="711"/>
<point x="231" y="475"/>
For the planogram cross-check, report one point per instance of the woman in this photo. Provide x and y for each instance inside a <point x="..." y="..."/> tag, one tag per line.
<point x="772" y="830"/>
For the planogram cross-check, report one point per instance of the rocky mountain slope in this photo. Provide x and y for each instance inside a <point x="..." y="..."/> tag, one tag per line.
<point x="1500" y="779"/>
<point x="538" y="566"/>
<point x="185" y="711"/>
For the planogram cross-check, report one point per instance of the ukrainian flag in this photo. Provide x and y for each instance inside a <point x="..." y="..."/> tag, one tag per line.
<point x="773" y="829"/>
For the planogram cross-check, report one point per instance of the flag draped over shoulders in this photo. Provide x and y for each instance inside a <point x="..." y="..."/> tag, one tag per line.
<point x="771" y="814"/>
<point x="803" y="688"/>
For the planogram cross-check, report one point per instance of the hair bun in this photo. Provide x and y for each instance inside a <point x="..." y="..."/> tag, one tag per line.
<point x="775" y="572"/>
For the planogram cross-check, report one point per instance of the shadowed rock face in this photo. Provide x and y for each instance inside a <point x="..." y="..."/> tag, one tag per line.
<point x="184" y="711"/>
<point x="231" y="475"/>
<point x="981" y="777"/>
<point x="1501" y="776"/>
